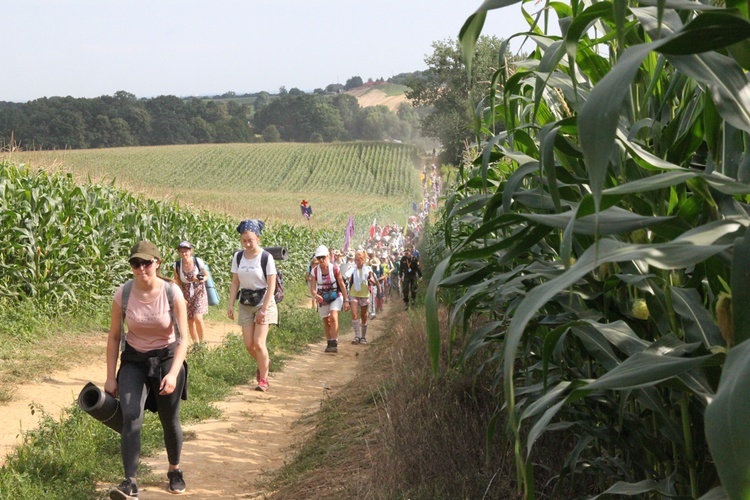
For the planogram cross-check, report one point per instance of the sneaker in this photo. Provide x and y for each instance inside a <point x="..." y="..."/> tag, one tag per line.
<point x="176" y="481"/>
<point x="363" y="340"/>
<point x="356" y="340"/>
<point x="262" y="385"/>
<point x="127" y="489"/>
<point x="333" y="346"/>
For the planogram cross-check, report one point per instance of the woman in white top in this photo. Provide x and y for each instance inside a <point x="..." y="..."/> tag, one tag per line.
<point x="360" y="278"/>
<point x="328" y="289"/>
<point x="251" y="280"/>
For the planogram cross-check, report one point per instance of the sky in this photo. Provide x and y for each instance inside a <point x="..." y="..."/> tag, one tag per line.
<point x="90" y="48"/>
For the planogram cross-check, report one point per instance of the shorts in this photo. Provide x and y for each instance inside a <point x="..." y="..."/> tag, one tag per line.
<point x="325" y="309"/>
<point x="246" y="314"/>
<point x="361" y="301"/>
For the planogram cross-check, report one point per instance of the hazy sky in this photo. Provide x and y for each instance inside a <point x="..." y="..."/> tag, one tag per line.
<point x="89" y="48"/>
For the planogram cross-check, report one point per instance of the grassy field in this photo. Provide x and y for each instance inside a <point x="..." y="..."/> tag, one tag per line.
<point x="266" y="181"/>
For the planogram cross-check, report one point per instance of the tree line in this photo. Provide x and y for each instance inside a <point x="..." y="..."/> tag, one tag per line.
<point x="441" y="104"/>
<point x="124" y="120"/>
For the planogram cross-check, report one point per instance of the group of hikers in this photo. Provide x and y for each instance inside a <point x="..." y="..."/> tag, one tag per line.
<point x="361" y="281"/>
<point x="158" y="310"/>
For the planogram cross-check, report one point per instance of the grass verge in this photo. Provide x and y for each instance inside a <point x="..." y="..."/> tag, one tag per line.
<point x="399" y="432"/>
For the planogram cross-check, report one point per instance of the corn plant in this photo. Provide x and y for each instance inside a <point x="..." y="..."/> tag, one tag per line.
<point x="65" y="245"/>
<point x="599" y="234"/>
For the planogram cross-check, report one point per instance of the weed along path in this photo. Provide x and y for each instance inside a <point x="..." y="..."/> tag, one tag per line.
<point x="222" y="458"/>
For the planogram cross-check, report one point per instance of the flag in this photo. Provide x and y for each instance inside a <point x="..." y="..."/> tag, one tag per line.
<point x="306" y="209"/>
<point x="373" y="227"/>
<point x="349" y="233"/>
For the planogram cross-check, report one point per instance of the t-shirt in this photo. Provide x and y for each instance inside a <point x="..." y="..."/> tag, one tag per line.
<point x="149" y="323"/>
<point x="359" y="288"/>
<point x="250" y="273"/>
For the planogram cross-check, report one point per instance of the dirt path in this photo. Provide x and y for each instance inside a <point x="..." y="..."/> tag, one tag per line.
<point x="222" y="458"/>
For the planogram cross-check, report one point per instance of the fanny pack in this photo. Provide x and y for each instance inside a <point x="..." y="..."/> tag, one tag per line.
<point x="249" y="297"/>
<point x="330" y="296"/>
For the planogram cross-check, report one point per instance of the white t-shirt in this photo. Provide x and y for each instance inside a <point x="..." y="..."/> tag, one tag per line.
<point x="250" y="273"/>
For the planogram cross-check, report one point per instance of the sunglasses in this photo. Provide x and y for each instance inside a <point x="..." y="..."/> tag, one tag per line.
<point x="137" y="263"/>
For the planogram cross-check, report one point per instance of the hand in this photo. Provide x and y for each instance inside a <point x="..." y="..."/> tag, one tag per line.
<point x="260" y="316"/>
<point x="168" y="384"/>
<point x="230" y="312"/>
<point x="110" y="387"/>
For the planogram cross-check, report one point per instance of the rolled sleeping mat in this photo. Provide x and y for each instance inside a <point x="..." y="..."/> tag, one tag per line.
<point x="279" y="253"/>
<point x="102" y="406"/>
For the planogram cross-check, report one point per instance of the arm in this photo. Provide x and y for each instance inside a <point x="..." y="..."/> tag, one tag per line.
<point x="270" y="288"/>
<point x="169" y="381"/>
<point x="204" y="269"/>
<point x="233" y="288"/>
<point x="314" y="286"/>
<point x="113" y="348"/>
<point x="342" y="287"/>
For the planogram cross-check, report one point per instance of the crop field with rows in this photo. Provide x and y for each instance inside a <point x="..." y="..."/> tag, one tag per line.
<point x="260" y="180"/>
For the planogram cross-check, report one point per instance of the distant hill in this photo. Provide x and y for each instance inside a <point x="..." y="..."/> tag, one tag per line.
<point x="374" y="94"/>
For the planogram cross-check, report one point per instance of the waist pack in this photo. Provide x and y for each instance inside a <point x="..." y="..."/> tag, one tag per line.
<point x="278" y="294"/>
<point x="250" y="297"/>
<point x="330" y="296"/>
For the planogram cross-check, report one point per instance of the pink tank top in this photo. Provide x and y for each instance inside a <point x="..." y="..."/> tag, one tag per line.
<point x="149" y="324"/>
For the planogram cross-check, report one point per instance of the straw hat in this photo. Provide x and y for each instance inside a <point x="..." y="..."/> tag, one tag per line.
<point x="375" y="262"/>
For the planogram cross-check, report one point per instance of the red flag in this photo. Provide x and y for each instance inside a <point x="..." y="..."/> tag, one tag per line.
<point x="373" y="227"/>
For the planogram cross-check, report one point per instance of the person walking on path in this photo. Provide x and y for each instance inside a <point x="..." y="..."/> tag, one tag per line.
<point x="409" y="270"/>
<point x="360" y="278"/>
<point x="254" y="286"/>
<point x="153" y="372"/>
<point x="327" y="287"/>
<point x="191" y="274"/>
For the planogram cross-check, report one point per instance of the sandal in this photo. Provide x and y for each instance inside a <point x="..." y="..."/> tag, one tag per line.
<point x="363" y="340"/>
<point x="356" y="340"/>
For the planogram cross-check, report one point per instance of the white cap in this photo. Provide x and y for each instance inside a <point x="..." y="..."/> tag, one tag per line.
<point x="321" y="251"/>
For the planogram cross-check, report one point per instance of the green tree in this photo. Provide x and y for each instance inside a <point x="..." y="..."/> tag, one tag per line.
<point x="261" y="100"/>
<point x="451" y="95"/>
<point x="271" y="134"/>
<point x="121" y="135"/>
<point x="353" y="83"/>
<point x="202" y="131"/>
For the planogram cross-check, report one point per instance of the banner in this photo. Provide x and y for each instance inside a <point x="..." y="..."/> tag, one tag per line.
<point x="349" y="233"/>
<point x="306" y="209"/>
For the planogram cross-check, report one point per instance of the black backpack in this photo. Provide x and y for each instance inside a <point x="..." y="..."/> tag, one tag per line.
<point x="278" y="294"/>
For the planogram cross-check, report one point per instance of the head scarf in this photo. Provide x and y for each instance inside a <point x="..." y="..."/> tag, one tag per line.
<point x="254" y="225"/>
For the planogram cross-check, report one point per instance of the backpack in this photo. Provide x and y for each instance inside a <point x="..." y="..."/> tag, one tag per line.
<point x="333" y="273"/>
<point x="126" y="297"/>
<point x="278" y="293"/>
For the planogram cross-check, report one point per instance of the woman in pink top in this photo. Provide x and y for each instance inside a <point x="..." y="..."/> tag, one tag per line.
<point x="152" y="370"/>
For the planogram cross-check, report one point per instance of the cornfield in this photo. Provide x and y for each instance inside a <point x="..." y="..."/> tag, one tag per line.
<point x="265" y="180"/>
<point x="596" y="245"/>
<point x="64" y="244"/>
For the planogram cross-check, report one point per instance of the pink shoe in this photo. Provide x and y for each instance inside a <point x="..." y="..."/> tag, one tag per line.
<point x="262" y="385"/>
